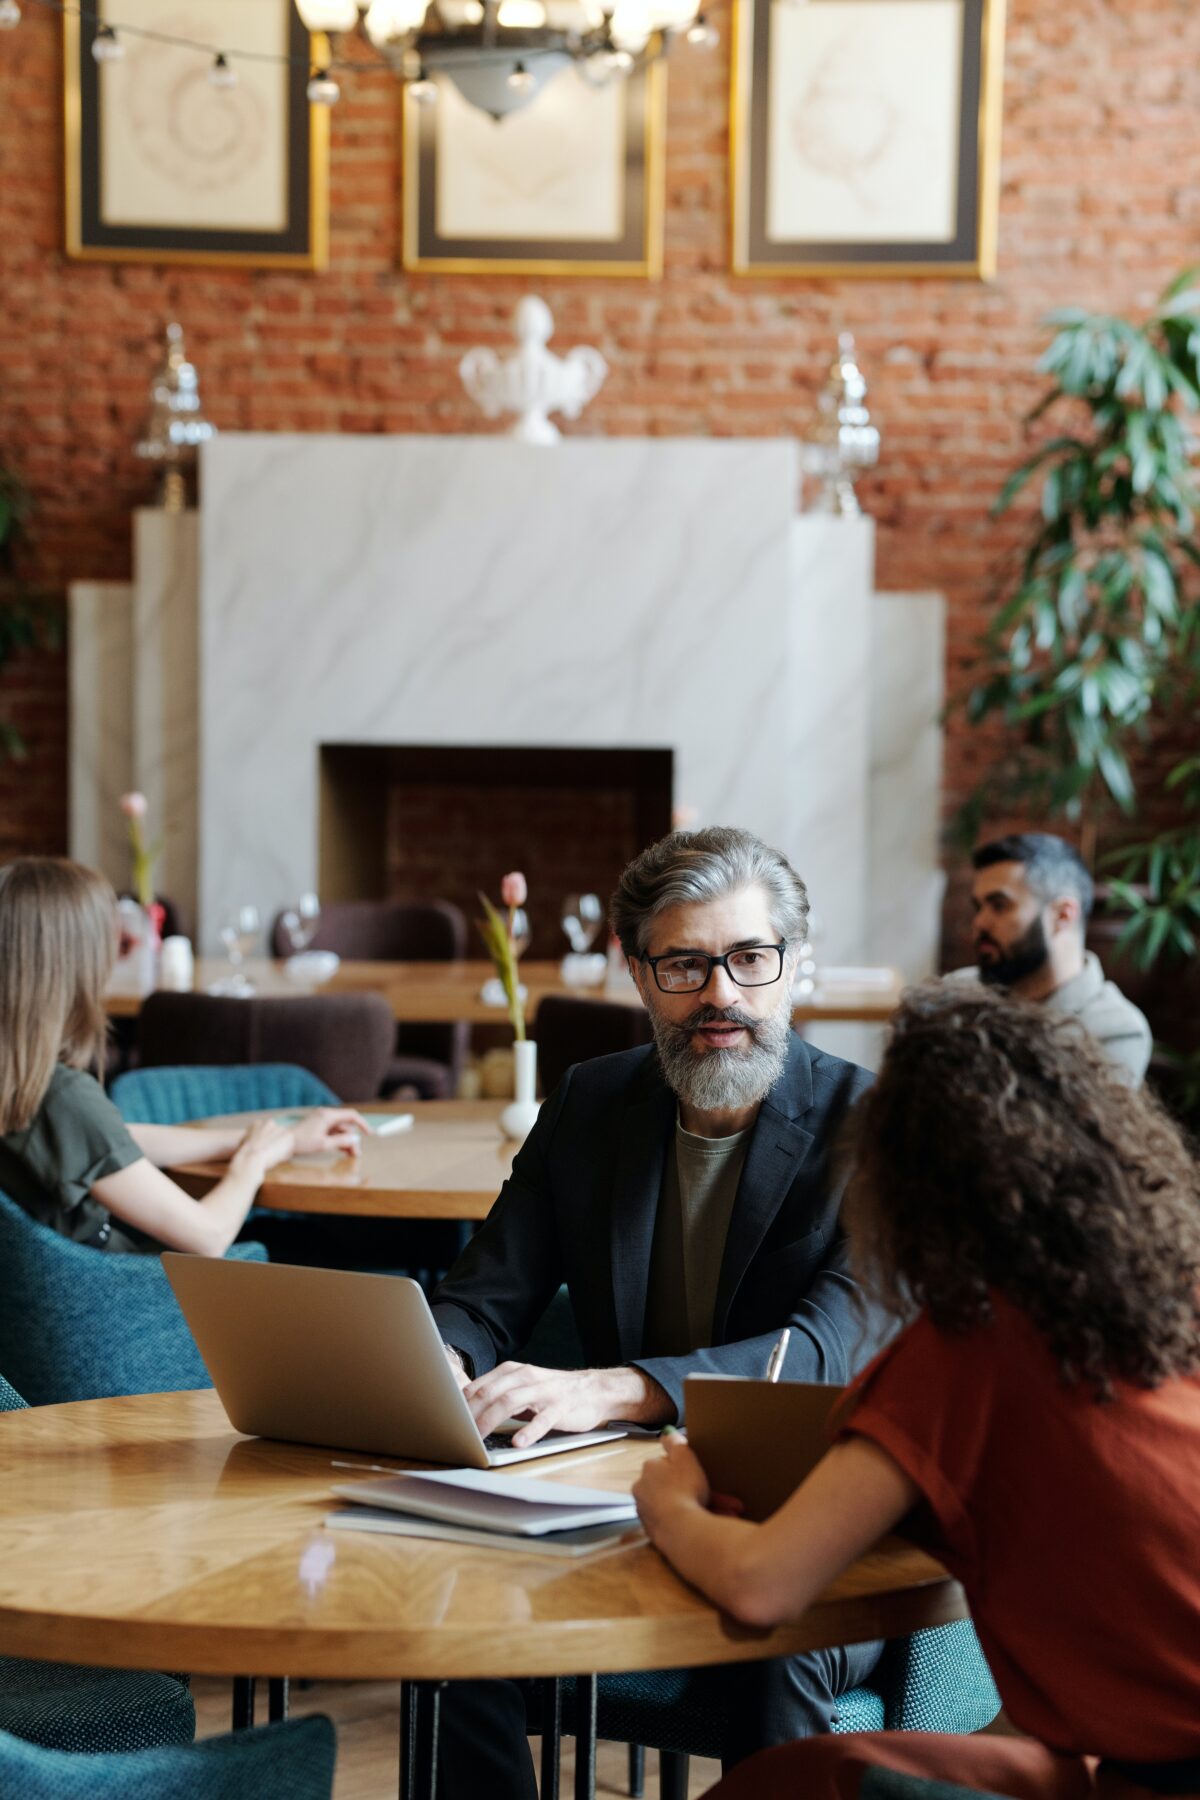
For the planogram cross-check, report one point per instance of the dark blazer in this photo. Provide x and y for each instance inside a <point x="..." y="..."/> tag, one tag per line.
<point x="580" y="1204"/>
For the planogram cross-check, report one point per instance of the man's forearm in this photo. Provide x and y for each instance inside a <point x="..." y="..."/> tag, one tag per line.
<point x="634" y="1396"/>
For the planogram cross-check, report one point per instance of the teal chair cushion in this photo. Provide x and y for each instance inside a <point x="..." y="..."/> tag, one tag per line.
<point x="937" y="1680"/>
<point x="278" y="1762"/>
<point x="62" y="1707"/>
<point x="172" y="1096"/>
<point x="81" y="1324"/>
<point x="687" y="1710"/>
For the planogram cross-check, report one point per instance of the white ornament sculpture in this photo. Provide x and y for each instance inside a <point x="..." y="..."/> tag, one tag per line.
<point x="534" y="381"/>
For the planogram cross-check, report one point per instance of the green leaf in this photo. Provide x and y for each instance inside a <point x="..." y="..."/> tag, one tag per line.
<point x="1115" y="772"/>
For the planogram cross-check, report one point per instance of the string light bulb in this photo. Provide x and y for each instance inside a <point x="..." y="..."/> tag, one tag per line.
<point x="702" y="35"/>
<point x="521" y="15"/>
<point x="107" y="46"/>
<point x="521" y="81"/>
<point x="323" y="90"/>
<point x="222" y="75"/>
<point x="10" y="15"/>
<point x="423" y="90"/>
<point x="328" y="15"/>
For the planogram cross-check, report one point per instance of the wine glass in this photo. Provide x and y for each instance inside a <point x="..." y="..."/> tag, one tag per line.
<point x="301" y="922"/>
<point x="582" y="917"/>
<point x="240" y="935"/>
<point x="804" y="982"/>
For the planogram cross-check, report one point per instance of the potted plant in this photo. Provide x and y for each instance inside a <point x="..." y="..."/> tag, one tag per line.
<point x="1095" y="644"/>
<point x="506" y="934"/>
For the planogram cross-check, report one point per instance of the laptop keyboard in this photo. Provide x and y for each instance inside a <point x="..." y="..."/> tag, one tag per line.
<point x="503" y="1440"/>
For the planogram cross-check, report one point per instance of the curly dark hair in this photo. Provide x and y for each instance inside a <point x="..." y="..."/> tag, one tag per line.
<point x="999" y="1152"/>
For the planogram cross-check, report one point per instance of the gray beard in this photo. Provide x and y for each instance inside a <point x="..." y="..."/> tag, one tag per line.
<point x="723" y="1080"/>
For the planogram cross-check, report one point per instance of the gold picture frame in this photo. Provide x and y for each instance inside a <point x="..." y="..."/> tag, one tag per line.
<point x="826" y="140"/>
<point x="134" y="190"/>
<point x="599" y="159"/>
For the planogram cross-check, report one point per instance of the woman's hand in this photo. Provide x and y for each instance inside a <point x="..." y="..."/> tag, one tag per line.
<point x="669" y="1483"/>
<point x="329" y="1128"/>
<point x="264" y="1145"/>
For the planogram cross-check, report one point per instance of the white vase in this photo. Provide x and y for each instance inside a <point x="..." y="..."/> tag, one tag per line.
<point x="516" y="1121"/>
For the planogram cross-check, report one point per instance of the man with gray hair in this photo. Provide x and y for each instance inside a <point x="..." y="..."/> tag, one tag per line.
<point x="683" y="1193"/>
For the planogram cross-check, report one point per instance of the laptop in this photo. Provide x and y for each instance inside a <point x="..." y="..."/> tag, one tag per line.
<point x="329" y="1356"/>
<point x="758" y="1440"/>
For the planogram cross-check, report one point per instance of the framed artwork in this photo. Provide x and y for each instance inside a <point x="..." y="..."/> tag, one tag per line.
<point x="572" y="184"/>
<point x="161" y="166"/>
<point x="865" y="136"/>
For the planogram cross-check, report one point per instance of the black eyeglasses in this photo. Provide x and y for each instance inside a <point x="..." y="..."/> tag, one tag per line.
<point x="687" y="971"/>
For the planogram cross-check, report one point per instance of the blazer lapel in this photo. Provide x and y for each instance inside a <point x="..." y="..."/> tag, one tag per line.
<point x="637" y="1184"/>
<point x="777" y="1150"/>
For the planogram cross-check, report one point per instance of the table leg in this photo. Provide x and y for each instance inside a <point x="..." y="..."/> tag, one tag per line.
<point x="420" y="1715"/>
<point x="408" y="1737"/>
<point x="586" y="1700"/>
<point x="277" y="1699"/>
<point x="243" y="1702"/>
<point x="551" y="1738"/>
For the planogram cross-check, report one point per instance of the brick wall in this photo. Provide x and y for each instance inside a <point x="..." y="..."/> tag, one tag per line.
<point x="1100" y="205"/>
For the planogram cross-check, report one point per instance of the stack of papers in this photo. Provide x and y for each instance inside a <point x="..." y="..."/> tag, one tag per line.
<point x="483" y="1506"/>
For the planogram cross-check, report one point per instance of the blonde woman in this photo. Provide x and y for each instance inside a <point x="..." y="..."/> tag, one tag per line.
<point x="66" y="1155"/>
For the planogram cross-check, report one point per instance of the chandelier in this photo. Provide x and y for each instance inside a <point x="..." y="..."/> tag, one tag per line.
<point x="500" y="53"/>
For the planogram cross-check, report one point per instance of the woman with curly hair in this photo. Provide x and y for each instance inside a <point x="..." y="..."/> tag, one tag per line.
<point x="1036" y="1424"/>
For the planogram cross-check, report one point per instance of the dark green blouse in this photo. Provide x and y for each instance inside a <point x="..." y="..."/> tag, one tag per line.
<point x="75" y="1138"/>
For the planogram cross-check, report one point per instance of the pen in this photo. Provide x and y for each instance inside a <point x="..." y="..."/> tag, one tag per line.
<point x="775" y="1360"/>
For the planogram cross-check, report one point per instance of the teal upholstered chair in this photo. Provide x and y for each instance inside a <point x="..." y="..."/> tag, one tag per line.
<point x="77" y="1324"/>
<point x="935" y="1680"/>
<point x="171" y="1096"/>
<point x="62" y="1707"/>
<point x="278" y="1762"/>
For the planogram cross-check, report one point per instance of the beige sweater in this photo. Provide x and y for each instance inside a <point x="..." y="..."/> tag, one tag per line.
<point x="1099" y="1004"/>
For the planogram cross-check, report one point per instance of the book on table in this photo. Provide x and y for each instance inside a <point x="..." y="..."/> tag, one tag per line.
<point x="481" y="1507"/>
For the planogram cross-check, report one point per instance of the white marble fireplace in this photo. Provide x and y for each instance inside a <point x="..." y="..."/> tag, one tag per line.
<point x="605" y="593"/>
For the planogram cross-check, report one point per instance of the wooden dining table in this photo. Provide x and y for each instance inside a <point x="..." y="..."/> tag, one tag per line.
<point x="450" y="1164"/>
<point x="145" y="1533"/>
<point x="450" y="993"/>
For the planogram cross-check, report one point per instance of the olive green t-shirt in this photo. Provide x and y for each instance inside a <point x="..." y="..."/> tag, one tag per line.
<point x="700" y="1185"/>
<point x="75" y="1138"/>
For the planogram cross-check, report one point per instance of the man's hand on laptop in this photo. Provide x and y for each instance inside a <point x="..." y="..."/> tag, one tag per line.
<point x="457" y="1365"/>
<point x="564" y="1399"/>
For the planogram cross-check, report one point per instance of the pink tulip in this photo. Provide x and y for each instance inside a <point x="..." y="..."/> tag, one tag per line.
<point x="514" y="889"/>
<point x="133" y="805"/>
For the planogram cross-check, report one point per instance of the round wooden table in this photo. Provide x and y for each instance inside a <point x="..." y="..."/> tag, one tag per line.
<point x="145" y="1533"/>
<point x="451" y="1164"/>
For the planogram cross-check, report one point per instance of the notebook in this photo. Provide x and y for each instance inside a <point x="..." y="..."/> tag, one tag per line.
<point x="757" y="1440"/>
<point x="519" y="1505"/>
<point x="474" y="1506"/>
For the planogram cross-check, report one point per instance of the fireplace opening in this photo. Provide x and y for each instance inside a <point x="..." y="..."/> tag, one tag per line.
<point x="417" y="822"/>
